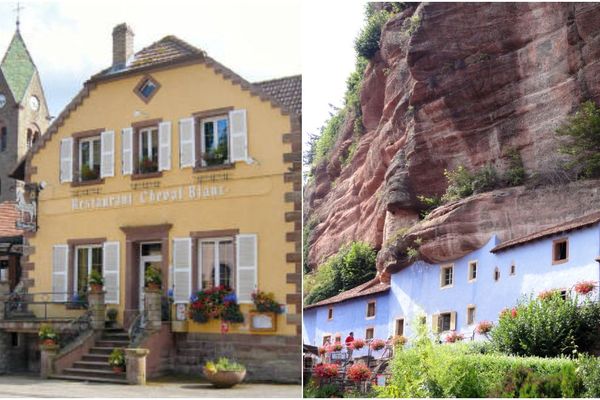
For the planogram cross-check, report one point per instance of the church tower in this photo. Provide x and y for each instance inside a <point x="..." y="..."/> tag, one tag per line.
<point x="23" y="110"/>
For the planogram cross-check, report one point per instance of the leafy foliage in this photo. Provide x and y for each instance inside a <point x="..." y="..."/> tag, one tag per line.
<point x="582" y="133"/>
<point x="368" y="40"/>
<point x="428" y="204"/>
<point x="515" y="173"/>
<point x="547" y="326"/>
<point x="96" y="278"/>
<point x="328" y="135"/>
<point x="117" y="358"/>
<point x="588" y="368"/>
<point x="265" y="302"/>
<point x="353" y="265"/>
<point x="153" y="276"/>
<point x="223" y="364"/>
<point x="217" y="302"/>
<point x="311" y="390"/>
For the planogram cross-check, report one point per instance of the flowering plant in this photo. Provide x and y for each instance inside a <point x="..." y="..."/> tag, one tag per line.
<point x="399" y="340"/>
<point x="358" y="373"/>
<point x="547" y="294"/>
<point x="334" y="347"/>
<point x="584" y="287"/>
<point x="217" y="302"/>
<point x="265" y="302"/>
<point x="483" y="327"/>
<point x="326" y="370"/>
<point x="454" y="337"/>
<point x="357" y="344"/>
<point x="322" y="351"/>
<point x="377" y="344"/>
<point x="47" y="335"/>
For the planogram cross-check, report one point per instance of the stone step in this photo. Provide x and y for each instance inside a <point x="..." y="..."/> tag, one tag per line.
<point x="95" y="357"/>
<point x="115" y="335"/>
<point x="94" y="373"/>
<point x="112" y="343"/>
<point x="95" y="365"/>
<point x="117" y="379"/>
<point x="101" y="350"/>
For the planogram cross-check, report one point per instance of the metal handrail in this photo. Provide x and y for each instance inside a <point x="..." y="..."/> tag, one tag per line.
<point x="138" y="327"/>
<point x="21" y="302"/>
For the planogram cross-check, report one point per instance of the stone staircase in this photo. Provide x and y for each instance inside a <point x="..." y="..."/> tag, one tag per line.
<point x="94" y="367"/>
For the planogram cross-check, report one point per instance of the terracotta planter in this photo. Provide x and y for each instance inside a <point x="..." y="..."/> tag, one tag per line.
<point x="225" y="379"/>
<point x="96" y="288"/>
<point x="49" y="342"/>
<point x="118" y="370"/>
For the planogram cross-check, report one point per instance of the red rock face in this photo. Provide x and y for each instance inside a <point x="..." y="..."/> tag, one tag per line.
<point x="470" y="82"/>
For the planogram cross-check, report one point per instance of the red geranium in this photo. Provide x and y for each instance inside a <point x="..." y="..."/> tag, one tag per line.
<point x="358" y="373"/>
<point x="326" y="370"/>
<point x="454" y="337"/>
<point x="546" y="294"/>
<point x="334" y="347"/>
<point x="513" y="313"/>
<point x="585" y="287"/>
<point x="322" y="350"/>
<point x="377" y="344"/>
<point x="357" y="344"/>
<point x="483" y="327"/>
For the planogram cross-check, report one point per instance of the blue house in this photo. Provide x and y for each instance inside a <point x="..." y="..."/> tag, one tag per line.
<point x="456" y="295"/>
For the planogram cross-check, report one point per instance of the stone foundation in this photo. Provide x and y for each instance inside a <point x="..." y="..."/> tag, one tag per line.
<point x="267" y="358"/>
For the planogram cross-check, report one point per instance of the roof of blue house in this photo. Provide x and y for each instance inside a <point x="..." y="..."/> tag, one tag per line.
<point x="573" y="224"/>
<point x="374" y="286"/>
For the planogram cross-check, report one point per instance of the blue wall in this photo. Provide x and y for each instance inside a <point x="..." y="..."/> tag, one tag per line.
<point x="415" y="291"/>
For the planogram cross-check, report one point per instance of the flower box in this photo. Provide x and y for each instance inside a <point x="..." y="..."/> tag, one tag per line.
<point x="263" y="322"/>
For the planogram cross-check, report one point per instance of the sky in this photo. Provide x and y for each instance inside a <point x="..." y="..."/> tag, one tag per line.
<point x="70" y="40"/>
<point x="329" y="29"/>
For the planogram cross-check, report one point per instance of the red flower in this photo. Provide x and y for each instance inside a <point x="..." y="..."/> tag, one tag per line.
<point x="326" y="370"/>
<point x="322" y="350"/>
<point x="546" y="294"/>
<point x="585" y="287"/>
<point x="357" y="344"/>
<point x="377" y="344"/>
<point x="454" y="337"/>
<point x="513" y="313"/>
<point x="358" y="373"/>
<point x="483" y="327"/>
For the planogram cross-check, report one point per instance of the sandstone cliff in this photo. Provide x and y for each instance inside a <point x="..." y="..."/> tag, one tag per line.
<point x="458" y="84"/>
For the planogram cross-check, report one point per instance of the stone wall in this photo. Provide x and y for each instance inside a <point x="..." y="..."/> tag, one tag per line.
<point x="267" y="358"/>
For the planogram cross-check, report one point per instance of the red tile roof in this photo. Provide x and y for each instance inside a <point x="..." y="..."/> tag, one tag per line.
<point x="576" y="223"/>
<point x="288" y="91"/>
<point x="374" y="286"/>
<point x="8" y="216"/>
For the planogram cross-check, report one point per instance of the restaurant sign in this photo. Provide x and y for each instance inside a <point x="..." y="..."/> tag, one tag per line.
<point x="151" y="196"/>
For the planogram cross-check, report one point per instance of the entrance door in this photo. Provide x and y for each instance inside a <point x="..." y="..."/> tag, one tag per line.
<point x="150" y="256"/>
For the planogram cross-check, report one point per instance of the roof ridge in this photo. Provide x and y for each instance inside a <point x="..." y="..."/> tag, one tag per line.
<point x="278" y="79"/>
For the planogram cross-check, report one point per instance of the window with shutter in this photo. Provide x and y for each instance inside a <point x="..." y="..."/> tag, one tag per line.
<point x="247" y="263"/>
<point x="60" y="260"/>
<point x="182" y="269"/>
<point x="127" y="151"/>
<point x="110" y="270"/>
<point x="164" y="149"/>
<point x="66" y="160"/>
<point x="187" y="140"/>
<point x="107" y="159"/>
<point x="239" y="135"/>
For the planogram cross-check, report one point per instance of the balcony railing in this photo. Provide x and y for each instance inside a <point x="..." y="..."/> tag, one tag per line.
<point x="43" y="306"/>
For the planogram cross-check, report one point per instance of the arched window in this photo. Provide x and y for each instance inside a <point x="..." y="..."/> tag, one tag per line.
<point x="3" y="138"/>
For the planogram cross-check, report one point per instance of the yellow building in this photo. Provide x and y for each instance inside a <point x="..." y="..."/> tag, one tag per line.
<point x="169" y="159"/>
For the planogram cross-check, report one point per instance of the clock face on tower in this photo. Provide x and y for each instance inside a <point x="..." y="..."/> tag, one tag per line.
<point x="34" y="103"/>
<point x="2" y="100"/>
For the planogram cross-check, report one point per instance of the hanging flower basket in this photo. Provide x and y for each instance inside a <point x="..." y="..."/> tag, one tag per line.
<point x="484" y="327"/>
<point x="358" y="373"/>
<point x="454" y="337"/>
<point x="585" y="287"/>
<point x="357" y="344"/>
<point x="377" y="344"/>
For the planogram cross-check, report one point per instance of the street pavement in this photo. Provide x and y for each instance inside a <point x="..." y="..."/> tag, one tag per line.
<point x="33" y="386"/>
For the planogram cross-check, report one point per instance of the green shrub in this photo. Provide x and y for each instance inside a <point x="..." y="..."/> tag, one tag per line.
<point x="515" y="173"/>
<point x="329" y="133"/>
<point x="428" y="204"/>
<point x="588" y="369"/>
<point x="459" y="184"/>
<point x="353" y="265"/>
<point x="485" y="179"/>
<point x="547" y="327"/>
<point x="368" y="40"/>
<point x="413" y="24"/>
<point x="582" y="133"/>
<point x="525" y="382"/>
<point x="325" y="391"/>
<point x="354" y="85"/>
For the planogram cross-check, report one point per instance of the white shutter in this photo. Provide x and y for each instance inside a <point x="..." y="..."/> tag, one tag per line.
<point x="110" y="271"/>
<point x="66" y="160"/>
<point x="247" y="262"/>
<point x="182" y="269"/>
<point x="238" y="142"/>
<point x="107" y="154"/>
<point x="187" y="143"/>
<point x="164" y="146"/>
<point x="127" y="151"/>
<point x="60" y="263"/>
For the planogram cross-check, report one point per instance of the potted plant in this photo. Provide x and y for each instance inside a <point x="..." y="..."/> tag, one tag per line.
<point x="111" y="316"/>
<point x="454" y="337"/>
<point x="265" y="308"/>
<point x="153" y="278"/>
<point x="357" y="344"/>
<point x="88" y="174"/>
<point x="116" y="359"/>
<point x="217" y="302"/>
<point x="147" y="165"/>
<point x="48" y="336"/>
<point x="585" y="287"/>
<point x="224" y="373"/>
<point x="216" y="156"/>
<point x="358" y="373"/>
<point x="377" y="344"/>
<point x="96" y="281"/>
<point x="484" y="327"/>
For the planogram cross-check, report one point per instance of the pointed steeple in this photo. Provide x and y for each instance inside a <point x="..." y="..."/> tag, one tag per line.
<point x="17" y="66"/>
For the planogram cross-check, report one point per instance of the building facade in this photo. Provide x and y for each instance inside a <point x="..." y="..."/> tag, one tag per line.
<point x="167" y="159"/>
<point x="455" y="296"/>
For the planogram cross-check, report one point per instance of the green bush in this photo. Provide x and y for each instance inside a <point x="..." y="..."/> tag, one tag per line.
<point x="547" y="327"/>
<point x="582" y="133"/>
<point x="525" y="382"/>
<point x="352" y="265"/>
<point x="459" y="184"/>
<point x="329" y="133"/>
<point x="485" y="179"/>
<point x="588" y="368"/>
<point x="515" y="173"/>
<point x="368" y="40"/>
<point x="325" y="391"/>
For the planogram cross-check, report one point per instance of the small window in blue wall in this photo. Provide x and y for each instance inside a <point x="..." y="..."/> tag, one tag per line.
<point x="369" y="333"/>
<point x="496" y="274"/>
<point x="472" y="271"/>
<point x="370" y="309"/>
<point x="513" y="269"/>
<point x="330" y="313"/>
<point x="560" y="251"/>
<point x="447" y="276"/>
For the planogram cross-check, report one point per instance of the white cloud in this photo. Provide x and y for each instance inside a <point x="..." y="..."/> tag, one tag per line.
<point x="70" y="40"/>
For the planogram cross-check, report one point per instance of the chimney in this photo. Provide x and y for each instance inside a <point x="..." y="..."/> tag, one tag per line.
<point x="122" y="45"/>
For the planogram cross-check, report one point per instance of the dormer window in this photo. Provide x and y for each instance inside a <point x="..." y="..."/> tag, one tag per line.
<point x="147" y="88"/>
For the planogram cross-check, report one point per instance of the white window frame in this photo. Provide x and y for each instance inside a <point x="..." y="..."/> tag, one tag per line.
<point x="149" y="130"/>
<point x="214" y="121"/>
<point x="91" y="141"/>
<point x="443" y="268"/>
<point x="217" y="259"/>
<point x="469" y="308"/>
<point x="89" y="262"/>
<point x="472" y="263"/>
